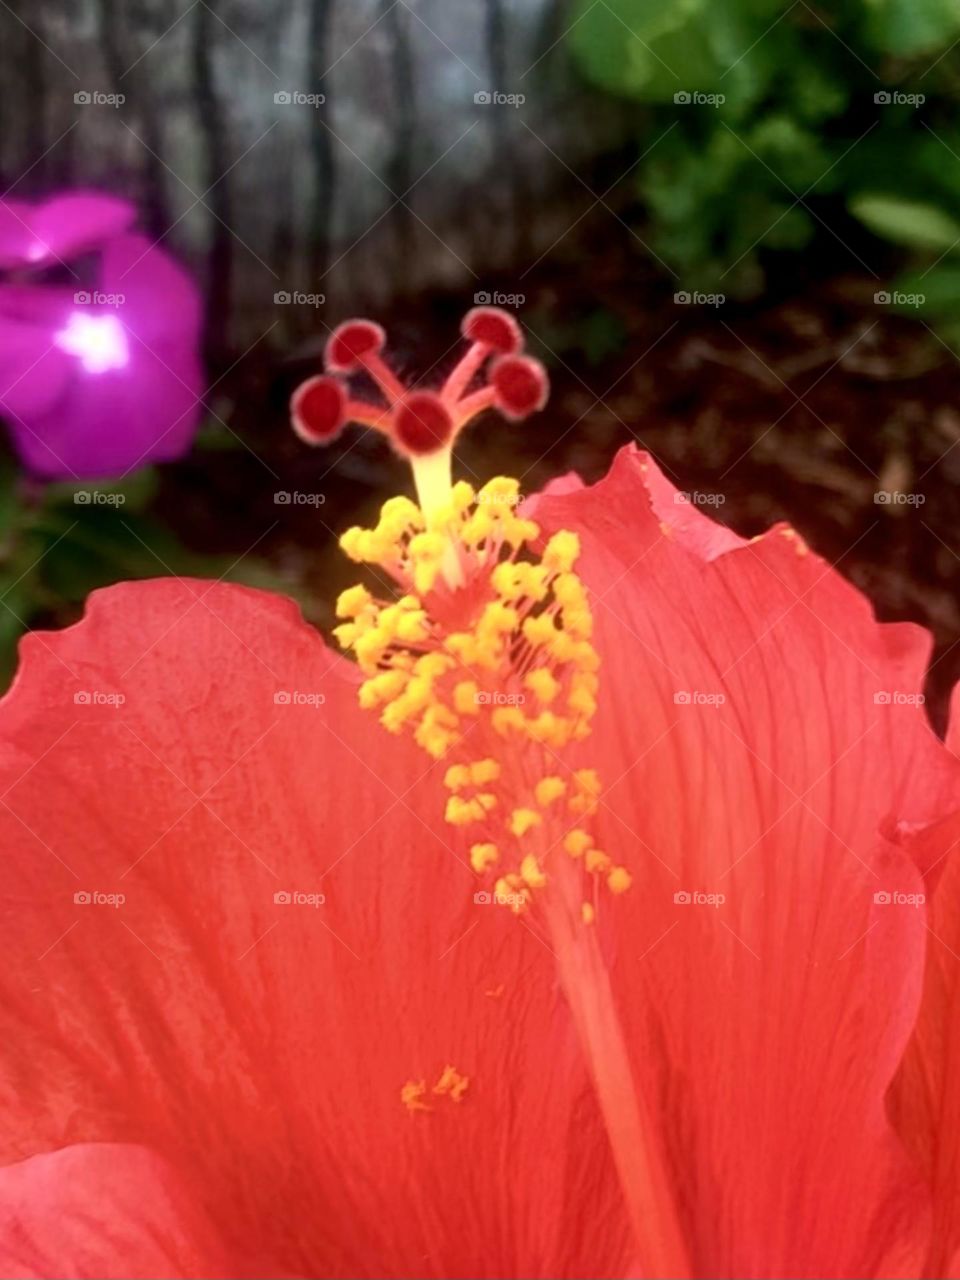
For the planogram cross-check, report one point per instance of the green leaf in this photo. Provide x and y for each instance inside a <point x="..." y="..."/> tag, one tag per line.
<point x="908" y="27"/>
<point x="911" y="223"/>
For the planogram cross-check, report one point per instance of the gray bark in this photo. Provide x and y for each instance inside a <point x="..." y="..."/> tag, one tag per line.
<point x="398" y="183"/>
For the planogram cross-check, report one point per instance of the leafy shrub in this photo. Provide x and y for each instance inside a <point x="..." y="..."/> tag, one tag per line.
<point x="776" y="126"/>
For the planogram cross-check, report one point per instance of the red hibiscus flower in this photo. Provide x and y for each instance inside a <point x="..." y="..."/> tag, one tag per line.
<point x="577" y="928"/>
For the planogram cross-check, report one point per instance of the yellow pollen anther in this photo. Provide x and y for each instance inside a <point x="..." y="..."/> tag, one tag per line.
<point x="549" y="789"/>
<point x="521" y="820"/>
<point x="577" y="842"/>
<point x="542" y="684"/>
<point x="597" y="861"/>
<point x="532" y="872"/>
<point x="460" y="813"/>
<point x="457" y="777"/>
<point x="466" y="698"/>
<point x="483" y="856"/>
<point x="619" y="880"/>
<point x="483" y="772"/>
<point x="353" y="601"/>
<point x="412" y="1094"/>
<point x="561" y="552"/>
<point x="452" y="1083"/>
<point x="587" y="913"/>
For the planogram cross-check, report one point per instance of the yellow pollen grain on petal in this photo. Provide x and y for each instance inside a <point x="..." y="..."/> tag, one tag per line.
<point x="483" y="772"/>
<point x="587" y="913"/>
<point x="597" y="861"/>
<point x="412" y="1095"/>
<point x="561" y="552"/>
<point x="532" y="872"/>
<point x="542" y="684"/>
<point x="619" y="880"/>
<point x="486" y="800"/>
<point x="577" y="842"/>
<point x="549" y="789"/>
<point x="521" y="821"/>
<point x="452" y="1083"/>
<point x="483" y="856"/>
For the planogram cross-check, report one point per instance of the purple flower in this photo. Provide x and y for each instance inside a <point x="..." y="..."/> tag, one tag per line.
<point x="95" y="381"/>
<point x="59" y="228"/>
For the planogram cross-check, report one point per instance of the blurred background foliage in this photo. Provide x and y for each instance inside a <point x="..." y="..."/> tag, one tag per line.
<point x="828" y="117"/>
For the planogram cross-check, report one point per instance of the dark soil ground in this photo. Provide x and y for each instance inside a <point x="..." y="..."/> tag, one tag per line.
<point x="801" y="409"/>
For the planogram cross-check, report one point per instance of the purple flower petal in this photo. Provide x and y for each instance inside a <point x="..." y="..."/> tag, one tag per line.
<point x="59" y="228"/>
<point x="97" y="383"/>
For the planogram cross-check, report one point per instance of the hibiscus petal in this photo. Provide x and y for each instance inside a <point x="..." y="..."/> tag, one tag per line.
<point x="759" y="733"/>
<point x="263" y="1043"/>
<point x="58" y="229"/>
<point x="925" y="1097"/>
<point x="103" y="1212"/>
